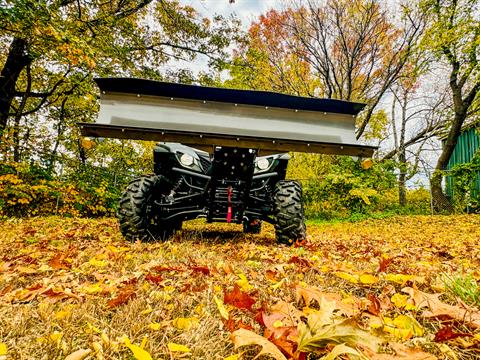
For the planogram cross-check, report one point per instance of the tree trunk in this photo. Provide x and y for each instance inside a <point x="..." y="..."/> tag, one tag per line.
<point x="440" y="201"/>
<point x="17" y="60"/>
<point x="402" y="177"/>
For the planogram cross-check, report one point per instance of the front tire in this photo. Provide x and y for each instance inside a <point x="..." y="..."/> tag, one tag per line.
<point x="135" y="211"/>
<point x="289" y="212"/>
<point x="254" y="227"/>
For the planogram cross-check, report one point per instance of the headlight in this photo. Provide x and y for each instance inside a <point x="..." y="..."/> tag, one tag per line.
<point x="263" y="164"/>
<point x="186" y="160"/>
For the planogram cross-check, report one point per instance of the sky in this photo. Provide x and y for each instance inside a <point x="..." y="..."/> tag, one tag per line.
<point x="246" y="10"/>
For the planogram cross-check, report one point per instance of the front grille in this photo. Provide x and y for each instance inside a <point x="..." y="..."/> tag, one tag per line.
<point x="205" y="163"/>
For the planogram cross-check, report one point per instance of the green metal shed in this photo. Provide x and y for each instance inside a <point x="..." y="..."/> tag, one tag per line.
<point x="468" y="143"/>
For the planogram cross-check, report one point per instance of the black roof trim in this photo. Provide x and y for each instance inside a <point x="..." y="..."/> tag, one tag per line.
<point x="247" y="97"/>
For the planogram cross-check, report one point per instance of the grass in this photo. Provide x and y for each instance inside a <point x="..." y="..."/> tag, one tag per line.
<point x="464" y="286"/>
<point x="58" y="277"/>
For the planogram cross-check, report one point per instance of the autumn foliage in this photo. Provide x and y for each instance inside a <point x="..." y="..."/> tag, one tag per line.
<point x="74" y="289"/>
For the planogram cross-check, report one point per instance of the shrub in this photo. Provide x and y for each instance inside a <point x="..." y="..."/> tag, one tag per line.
<point x="26" y="191"/>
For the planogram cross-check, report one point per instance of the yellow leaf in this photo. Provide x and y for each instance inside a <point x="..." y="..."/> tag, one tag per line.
<point x="90" y="329"/>
<point x="79" y="354"/>
<point x="368" y="279"/>
<point x="92" y="289"/>
<point x="62" y="314"/>
<point x="200" y="309"/>
<point x="185" y="323"/>
<point x="3" y="349"/>
<point x="53" y="338"/>
<point x="177" y="348"/>
<point x="146" y="311"/>
<point x="154" y="326"/>
<point x="408" y="322"/>
<point x="97" y="263"/>
<point x="403" y="278"/>
<point x="278" y="284"/>
<point x="399" y="300"/>
<point x="221" y="307"/>
<point x="403" y="326"/>
<point x="243" y="283"/>
<point x="278" y="324"/>
<point x="233" y="357"/>
<point x="137" y="351"/>
<point x="346" y="276"/>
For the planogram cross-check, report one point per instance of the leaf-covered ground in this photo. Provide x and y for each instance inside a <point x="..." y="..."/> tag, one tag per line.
<point x="74" y="289"/>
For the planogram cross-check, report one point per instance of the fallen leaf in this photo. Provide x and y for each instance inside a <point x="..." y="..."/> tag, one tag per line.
<point x="346" y="276"/>
<point x="243" y="283"/>
<point x="79" y="354"/>
<point x="447" y="333"/>
<point x="58" y="262"/>
<point x="438" y="309"/>
<point x="311" y="293"/>
<point x="233" y="357"/>
<point x="155" y="279"/>
<point x="368" y="279"/>
<point x="178" y="348"/>
<point x="137" y="351"/>
<point x="3" y="349"/>
<point x="403" y="326"/>
<point x="374" y="307"/>
<point x="401" y="352"/>
<point x="221" y="307"/>
<point x="238" y="298"/>
<point x="343" y="349"/>
<point x="154" y="326"/>
<point x="200" y="269"/>
<point x="302" y="262"/>
<point x="317" y="334"/>
<point x="384" y="263"/>
<point x="185" y="323"/>
<point x="126" y="294"/>
<point x="161" y="268"/>
<point x="243" y="337"/>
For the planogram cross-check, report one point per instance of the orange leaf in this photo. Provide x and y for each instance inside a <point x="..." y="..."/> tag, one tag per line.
<point x="126" y="294"/>
<point x="238" y="298"/>
<point x="58" y="262"/>
<point x="300" y="262"/>
<point x="374" y="306"/>
<point x="156" y="279"/>
<point x="200" y="269"/>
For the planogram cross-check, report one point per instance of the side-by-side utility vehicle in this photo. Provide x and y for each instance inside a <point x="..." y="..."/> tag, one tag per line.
<point x="221" y="153"/>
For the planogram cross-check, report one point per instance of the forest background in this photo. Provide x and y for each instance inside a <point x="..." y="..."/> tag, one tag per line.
<point x="414" y="64"/>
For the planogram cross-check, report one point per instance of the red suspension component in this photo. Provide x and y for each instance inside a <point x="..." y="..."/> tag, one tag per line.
<point x="229" y="203"/>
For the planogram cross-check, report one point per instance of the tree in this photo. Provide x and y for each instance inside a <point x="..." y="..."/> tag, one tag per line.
<point x="416" y="117"/>
<point x="265" y="60"/>
<point x="53" y="48"/>
<point x="355" y="50"/>
<point x="347" y="50"/>
<point x="454" y="37"/>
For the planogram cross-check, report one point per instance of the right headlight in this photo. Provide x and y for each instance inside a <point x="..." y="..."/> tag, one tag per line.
<point x="263" y="163"/>
<point x="186" y="160"/>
